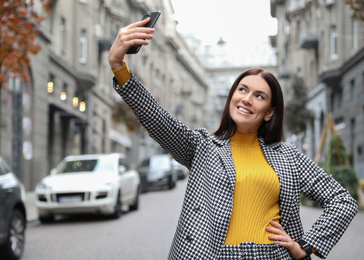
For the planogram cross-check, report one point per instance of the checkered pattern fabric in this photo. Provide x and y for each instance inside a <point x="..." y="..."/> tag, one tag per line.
<point x="208" y="201"/>
<point x="251" y="251"/>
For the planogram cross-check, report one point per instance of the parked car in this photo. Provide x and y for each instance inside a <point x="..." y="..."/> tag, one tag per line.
<point x="98" y="183"/>
<point x="182" y="171"/>
<point x="12" y="214"/>
<point x="157" y="172"/>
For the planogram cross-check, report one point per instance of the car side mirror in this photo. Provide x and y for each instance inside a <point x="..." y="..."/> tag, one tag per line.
<point x="53" y="171"/>
<point x="122" y="169"/>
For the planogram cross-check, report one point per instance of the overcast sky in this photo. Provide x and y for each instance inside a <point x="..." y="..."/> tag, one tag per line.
<point x="235" y="20"/>
<point x="244" y="24"/>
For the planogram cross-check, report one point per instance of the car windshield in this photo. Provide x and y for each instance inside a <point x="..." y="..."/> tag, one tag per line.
<point x="92" y="165"/>
<point x="3" y="167"/>
<point x="160" y="162"/>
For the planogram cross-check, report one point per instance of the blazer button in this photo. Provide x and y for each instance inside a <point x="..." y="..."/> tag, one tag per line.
<point x="189" y="238"/>
<point x="196" y="208"/>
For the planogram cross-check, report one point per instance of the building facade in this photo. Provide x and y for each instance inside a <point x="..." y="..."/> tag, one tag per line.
<point x="320" y="41"/>
<point x="67" y="107"/>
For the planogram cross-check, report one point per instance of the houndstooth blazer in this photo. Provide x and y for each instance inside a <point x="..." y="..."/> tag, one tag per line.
<point x="208" y="201"/>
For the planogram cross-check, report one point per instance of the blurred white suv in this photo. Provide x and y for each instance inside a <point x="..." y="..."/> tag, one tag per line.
<point x="98" y="183"/>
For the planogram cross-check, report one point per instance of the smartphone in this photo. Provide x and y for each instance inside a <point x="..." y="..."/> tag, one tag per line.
<point x="153" y="19"/>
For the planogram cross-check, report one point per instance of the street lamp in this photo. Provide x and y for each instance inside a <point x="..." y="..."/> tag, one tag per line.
<point x="83" y="106"/>
<point x="63" y="96"/>
<point x="75" y="102"/>
<point x="50" y="87"/>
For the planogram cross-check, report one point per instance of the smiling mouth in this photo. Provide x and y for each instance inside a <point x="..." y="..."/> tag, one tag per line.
<point x="244" y="110"/>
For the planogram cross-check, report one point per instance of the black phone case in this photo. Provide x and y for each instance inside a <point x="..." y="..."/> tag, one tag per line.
<point x="153" y="19"/>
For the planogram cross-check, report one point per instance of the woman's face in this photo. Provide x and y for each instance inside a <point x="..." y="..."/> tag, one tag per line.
<point x="251" y="104"/>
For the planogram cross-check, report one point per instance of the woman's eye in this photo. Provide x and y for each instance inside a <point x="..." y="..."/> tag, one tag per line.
<point x="260" y="97"/>
<point x="242" y="89"/>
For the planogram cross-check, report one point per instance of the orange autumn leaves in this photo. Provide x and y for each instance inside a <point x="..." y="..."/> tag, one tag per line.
<point x="19" y="27"/>
<point x="358" y="8"/>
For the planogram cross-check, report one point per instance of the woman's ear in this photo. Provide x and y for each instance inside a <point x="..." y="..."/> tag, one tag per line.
<point x="269" y="114"/>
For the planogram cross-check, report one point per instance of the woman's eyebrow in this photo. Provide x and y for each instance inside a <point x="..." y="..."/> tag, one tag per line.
<point x="262" y="93"/>
<point x="257" y="91"/>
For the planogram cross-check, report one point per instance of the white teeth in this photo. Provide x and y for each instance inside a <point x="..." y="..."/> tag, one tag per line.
<point x="244" y="110"/>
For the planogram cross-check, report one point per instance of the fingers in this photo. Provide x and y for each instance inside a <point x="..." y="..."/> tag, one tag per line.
<point x="133" y="34"/>
<point x="276" y="228"/>
<point x="284" y="240"/>
<point x="139" y="23"/>
<point x="275" y="224"/>
<point x="279" y="234"/>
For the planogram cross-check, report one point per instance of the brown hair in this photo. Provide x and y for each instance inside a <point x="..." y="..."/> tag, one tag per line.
<point x="271" y="131"/>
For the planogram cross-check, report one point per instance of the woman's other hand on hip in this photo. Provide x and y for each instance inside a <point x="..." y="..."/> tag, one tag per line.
<point x="283" y="239"/>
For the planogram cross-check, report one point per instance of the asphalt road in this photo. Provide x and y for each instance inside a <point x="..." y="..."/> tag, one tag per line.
<point x="143" y="234"/>
<point x="146" y="233"/>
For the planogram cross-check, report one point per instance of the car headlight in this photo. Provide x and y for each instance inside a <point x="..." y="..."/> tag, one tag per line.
<point x="43" y="186"/>
<point x="108" y="186"/>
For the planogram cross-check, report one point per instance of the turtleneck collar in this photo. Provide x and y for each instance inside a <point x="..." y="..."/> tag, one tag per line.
<point x="250" y="139"/>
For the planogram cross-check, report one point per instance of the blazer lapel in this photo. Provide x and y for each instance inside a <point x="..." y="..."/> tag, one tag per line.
<point x="287" y="181"/>
<point x="224" y="152"/>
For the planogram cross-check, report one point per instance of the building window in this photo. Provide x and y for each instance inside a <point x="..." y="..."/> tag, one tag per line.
<point x="49" y="22"/>
<point x="333" y="42"/>
<point x="336" y="100"/>
<point x="353" y="90"/>
<point x="298" y="32"/>
<point x="63" y="34"/>
<point x="355" y="34"/>
<point x="83" y="46"/>
<point x="352" y="141"/>
<point x="322" y="121"/>
<point x="212" y="81"/>
<point x="339" y="98"/>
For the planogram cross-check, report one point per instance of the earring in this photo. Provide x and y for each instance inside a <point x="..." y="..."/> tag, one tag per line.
<point x="267" y="118"/>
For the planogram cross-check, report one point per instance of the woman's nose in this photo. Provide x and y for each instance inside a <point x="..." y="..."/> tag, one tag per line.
<point x="247" y="99"/>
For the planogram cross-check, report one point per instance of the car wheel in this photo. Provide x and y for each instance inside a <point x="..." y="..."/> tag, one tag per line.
<point x="135" y="205"/>
<point x="118" y="207"/>
<point x="46" y="219"/>
<point x="14" y="246"/>
<point x="171" y="184"/>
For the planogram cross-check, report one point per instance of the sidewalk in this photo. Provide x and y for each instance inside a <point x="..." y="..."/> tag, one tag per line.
<point x="32" y="212"/>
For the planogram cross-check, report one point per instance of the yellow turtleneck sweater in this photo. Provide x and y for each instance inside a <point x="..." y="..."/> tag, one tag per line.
<point x="256" y="193"/>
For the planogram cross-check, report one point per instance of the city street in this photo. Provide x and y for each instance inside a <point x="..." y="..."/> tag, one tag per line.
<point x="144" y="234"/>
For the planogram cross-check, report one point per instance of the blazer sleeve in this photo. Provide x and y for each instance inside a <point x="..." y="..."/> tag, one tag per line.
<point x="339" y="208"/>
<point x="169" y="132"/>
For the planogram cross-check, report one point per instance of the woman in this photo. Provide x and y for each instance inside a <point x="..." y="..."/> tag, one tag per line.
<point x="243" y="195"/>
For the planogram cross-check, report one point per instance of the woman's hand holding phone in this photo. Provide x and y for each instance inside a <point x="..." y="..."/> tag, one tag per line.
<point x="133" y="34"/>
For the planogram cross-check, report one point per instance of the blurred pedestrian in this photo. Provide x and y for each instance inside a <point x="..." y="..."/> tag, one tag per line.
<point x="243" y="194"/>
